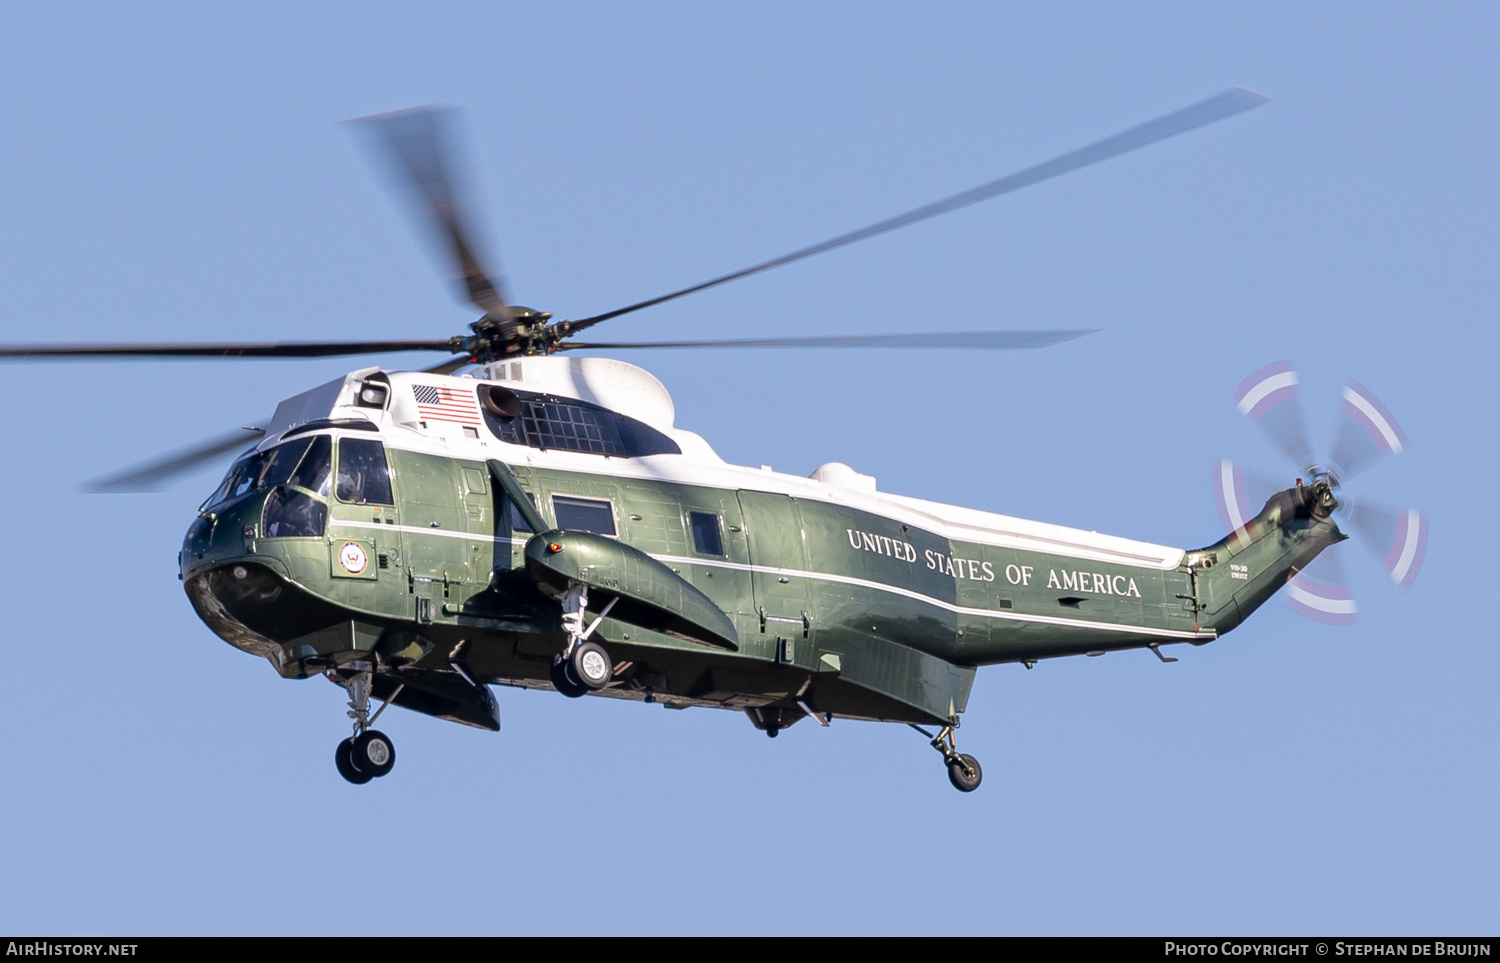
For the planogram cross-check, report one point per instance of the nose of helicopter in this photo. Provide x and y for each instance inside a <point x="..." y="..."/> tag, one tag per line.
<point x="229" y="583"/>
<point x="216" y="537"/>
<point x="257" y="592"/>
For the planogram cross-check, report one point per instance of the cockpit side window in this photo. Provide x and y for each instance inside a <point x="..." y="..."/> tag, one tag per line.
<point x="363" y="475"/>
<point x="290" y="514"/>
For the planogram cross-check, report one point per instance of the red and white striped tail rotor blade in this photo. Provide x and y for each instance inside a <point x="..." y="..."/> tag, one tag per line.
<point x="1326" y="602"/>
<point x="1397" y="536"/>
<point x="1230" y="494"/>
<point x="1408" y="548"/>
<point x="1367" y="432"/>
<point x="1268" y="397"/>
<point x="1240" y="494"/>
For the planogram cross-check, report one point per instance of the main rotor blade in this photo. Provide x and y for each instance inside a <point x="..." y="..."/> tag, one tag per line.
<point x="989" y="340"/>
<point x="150" y="476"/>
<point x="449" y="366"/>
<point x="1231" y="102"/>
<point x="417" y="146"/>
<point x="277" y="349"/>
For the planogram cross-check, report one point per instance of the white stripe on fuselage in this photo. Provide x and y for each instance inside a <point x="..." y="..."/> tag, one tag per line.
<point x="827" y="577"/>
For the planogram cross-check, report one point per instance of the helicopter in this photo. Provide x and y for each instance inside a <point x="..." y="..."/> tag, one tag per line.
<point x="520" y="515"/>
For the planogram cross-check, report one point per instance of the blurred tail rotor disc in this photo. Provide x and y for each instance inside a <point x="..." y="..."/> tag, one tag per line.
<point x="1367" y="433"/>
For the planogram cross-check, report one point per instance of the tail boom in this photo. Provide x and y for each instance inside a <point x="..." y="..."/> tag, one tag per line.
<point x="1238" y="574"/>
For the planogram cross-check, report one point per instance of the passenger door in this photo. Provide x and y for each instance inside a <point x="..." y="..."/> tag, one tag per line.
<point x="485" y="553"/>
<point x="436" y="527"/>
<point x="778" y="554"/>
<point x="716" y="542"/>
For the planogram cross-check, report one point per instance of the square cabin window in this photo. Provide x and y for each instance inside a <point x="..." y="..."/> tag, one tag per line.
<point x="584" y="514"/>
<point x="707" y="539"/>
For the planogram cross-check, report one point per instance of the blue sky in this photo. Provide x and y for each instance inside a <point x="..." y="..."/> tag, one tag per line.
<point x="175" y="172"/>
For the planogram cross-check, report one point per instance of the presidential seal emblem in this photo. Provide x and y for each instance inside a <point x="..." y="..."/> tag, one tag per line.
<point x="353" y="558"/>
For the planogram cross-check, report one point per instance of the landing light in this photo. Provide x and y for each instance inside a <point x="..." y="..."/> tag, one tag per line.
<point x="373" y="396"/>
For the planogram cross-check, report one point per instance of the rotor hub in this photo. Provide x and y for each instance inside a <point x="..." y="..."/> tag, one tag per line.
<point x="1319" y="492"/>
<point x="516" y="331"/>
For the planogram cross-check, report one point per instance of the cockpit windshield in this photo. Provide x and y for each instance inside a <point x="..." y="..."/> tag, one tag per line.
<point x="304" y="462"/>
<point x="313" y="471"/>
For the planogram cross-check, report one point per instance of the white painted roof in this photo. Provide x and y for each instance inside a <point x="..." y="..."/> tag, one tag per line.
<point x="632" y="391"/>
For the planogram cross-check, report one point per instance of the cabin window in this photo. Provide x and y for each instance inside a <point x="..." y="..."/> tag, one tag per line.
<point x="291" y="514"/>
<point x="707" y="539"/>
<point x="363" y="475"/>
<point x="584" y="514"/>
<point x="557" y="424"/>
<point x="566" y="424"/>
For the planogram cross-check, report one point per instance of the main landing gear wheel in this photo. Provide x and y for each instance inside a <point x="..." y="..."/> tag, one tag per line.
<point x="343" y="758"/>
<point x="583" y="666"/>
<point x="964" y="773"/>
<point x="590" y="666"/>
<point x="368" y="753"/>
<point x="372" y="752"/>
<point x="563" y="681"/>
<point x="365" y="756"/>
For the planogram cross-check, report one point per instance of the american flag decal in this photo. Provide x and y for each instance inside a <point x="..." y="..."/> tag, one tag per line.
<point x="446" y="404"/>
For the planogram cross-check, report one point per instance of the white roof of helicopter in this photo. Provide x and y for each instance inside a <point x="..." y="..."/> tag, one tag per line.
<point x="406" y="422"/>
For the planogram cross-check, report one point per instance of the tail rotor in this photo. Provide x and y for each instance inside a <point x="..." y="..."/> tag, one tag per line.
<point x="1398" y="537"/>
<point x="1327" y="599"/>
<point x="1269" y="397"/>
<point x="1368" y="433"/>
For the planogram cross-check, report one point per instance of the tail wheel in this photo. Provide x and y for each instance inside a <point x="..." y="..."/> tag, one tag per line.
<point x="964" y="773"/>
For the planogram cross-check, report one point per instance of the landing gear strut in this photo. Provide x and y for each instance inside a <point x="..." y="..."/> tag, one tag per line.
<point x="963" y="770"/>
<point x="368" y="753"/>
<point x="583" y="666"/>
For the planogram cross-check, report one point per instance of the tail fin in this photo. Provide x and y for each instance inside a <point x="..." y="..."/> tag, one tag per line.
<point x="1236" y="575"/>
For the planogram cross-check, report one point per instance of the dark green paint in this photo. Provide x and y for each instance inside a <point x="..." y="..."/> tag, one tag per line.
<point x="801" y="588"/>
